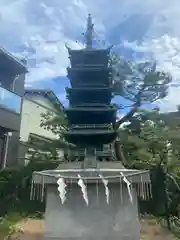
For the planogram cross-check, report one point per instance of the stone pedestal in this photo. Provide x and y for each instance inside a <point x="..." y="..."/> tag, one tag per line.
<point x="100" y="220"/>
<point x="97" y="221"/>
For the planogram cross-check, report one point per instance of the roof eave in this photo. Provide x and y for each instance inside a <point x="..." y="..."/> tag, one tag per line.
<point x="14" y="59"/>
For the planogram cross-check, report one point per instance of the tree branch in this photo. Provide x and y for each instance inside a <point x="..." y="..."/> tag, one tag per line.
<point x="134" y="109"/>
<point x="128" y="115"/>
<point x="174" y="181"/>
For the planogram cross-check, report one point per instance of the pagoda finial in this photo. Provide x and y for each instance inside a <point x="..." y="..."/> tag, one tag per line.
<point x="89" y="32"/>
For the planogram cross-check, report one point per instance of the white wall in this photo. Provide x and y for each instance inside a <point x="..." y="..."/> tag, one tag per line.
<point x="31" y="117"/>
<point x="32" y="108"/>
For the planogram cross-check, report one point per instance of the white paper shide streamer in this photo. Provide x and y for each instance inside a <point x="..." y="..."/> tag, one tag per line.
<point x="83" y="189"/>
<point x="62" y="189"/>
<point x="128" y="184"/>
<point x="105" y="182"/>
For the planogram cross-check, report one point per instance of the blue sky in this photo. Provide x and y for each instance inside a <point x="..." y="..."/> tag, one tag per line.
<point x="38" y="30"/>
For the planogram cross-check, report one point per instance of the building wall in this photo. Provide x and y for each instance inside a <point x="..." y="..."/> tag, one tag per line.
<point x="10" y="121"/>
<point x="13" y="147"/>
<point x="32" y="109"/>
<point x="31" y="117"/>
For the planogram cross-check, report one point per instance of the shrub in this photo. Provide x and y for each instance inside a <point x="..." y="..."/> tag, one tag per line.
<point x="15" y="184"/>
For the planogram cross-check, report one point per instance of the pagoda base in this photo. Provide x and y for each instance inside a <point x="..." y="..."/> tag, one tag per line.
<point x="74" y="220"/>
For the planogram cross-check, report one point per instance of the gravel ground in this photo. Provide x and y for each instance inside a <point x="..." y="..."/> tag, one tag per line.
<point x="33" y="230"/>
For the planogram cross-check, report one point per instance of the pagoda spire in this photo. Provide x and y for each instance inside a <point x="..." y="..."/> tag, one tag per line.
<point x="89" y="32"/>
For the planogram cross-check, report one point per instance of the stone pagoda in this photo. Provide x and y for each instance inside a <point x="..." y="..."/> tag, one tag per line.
<point x="91" y="115"/>
<point x="91" y="198"/>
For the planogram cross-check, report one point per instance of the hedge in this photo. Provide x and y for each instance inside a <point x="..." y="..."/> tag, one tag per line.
<point x="15" y="184"/>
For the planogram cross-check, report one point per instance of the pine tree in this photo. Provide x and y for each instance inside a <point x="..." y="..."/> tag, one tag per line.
<point x="139" y="83"/>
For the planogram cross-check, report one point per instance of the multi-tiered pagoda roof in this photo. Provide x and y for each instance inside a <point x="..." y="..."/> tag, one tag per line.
<point x="90" y="114"/>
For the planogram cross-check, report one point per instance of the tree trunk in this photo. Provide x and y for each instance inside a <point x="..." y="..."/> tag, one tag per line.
<point x="117" y="144"/>
<point x="119" y="151"/>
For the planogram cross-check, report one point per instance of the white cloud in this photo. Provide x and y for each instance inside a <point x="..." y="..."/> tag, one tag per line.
<point x="170" y="103"/>
<point x="166" y="51"/>
<point x="38" y="30"/>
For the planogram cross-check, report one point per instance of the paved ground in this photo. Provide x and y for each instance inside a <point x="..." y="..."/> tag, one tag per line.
<point x="33" y="229"/>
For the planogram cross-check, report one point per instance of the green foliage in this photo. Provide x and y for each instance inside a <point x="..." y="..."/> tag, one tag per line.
<point x="57" y="124"/>
<point x="8" y="224"/>
<point x="149" y="142"/>
<point x="48" y="149"/>
<point x="54" y="122"/>
<point x="15" y="188"/>
<point x="138" y="82"/>
<point x="145" y="141"/>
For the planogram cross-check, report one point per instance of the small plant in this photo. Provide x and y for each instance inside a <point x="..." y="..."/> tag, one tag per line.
<point x="8" y="224"/>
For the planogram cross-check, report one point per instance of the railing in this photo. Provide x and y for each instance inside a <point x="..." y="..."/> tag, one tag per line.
<point x="106" y="151"/>
<point x="10" y="100"/>
<point x="98" y="126"/>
